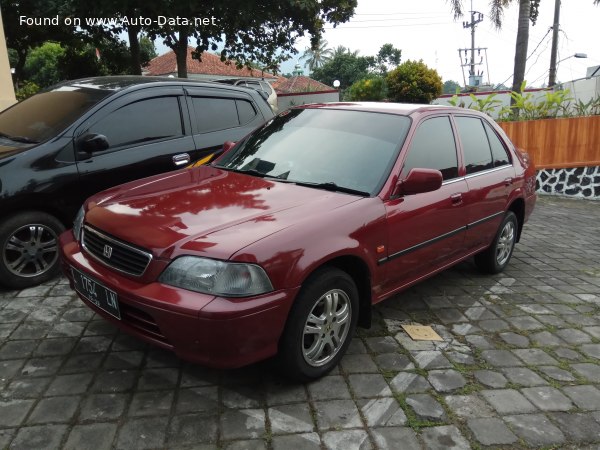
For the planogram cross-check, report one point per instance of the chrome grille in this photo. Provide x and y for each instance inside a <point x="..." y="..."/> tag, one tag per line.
<point x="115" y="253"/>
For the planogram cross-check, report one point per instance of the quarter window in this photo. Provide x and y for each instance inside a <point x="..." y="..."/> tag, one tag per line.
<point x="498" y="150"/>
<point x="433" y="147"/>
<point x="213" y="114"/>
<point x="476" y="148"/>
<point x="141" y="122"/>
<point x="246" y="111"/>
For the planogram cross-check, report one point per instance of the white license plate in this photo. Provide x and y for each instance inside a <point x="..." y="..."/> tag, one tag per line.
<point x="96" y="293"/>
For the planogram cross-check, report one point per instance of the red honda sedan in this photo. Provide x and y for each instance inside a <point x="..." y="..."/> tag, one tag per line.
<point x="281" y="246"/>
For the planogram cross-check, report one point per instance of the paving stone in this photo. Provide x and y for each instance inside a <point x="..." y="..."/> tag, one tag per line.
<point x="369" y="385"/>
<point x="490" y="378"/>
<point x="393" y="362"/>
<point x="547" y="339"/>
<point x="444" y="438"/>
<point x="114" y="381"/>
<point x="192" y="429"/>
<point x="591" y="350"/>
<point x="567" y="353"/>
<point x="337" y="414"/>
<point x="468" y="406"/>
<point x="295" y="418"/>
<point x="54" y="409"/>
<point x="361" y="363"/>
<point x="573" y="336"/>
<point x="26" y="388"/>
<point x="70" y="384"/>
<point x="142" y="433"/>
<point x="96" y="436"/>
<point x="507" y="401"/>
<point x="407" y="382"/>
<point x="494" y="326"/>
<point x="5" y="437"/>
<point x="526" y="323"/>
<point x="480" y="342"/>
<point x="243" y="424"/>
<point x="585" y="397"/>
<point x="348" y="440"/>
<point x="523" y="376"/>
<point x="479" y="313"/>
<point x="301" y="441"/>
<point x="196" y="400"/>
<point x="246" y="444"/>
<point x="327" y="388"/>
<point x="446" y="380"/>
<point x="12" y="412"/>
<point x="151" y="403"/>
<point x="78" y="363"/>
<point x="594" y="331"/>
<point x="557" y="373"/>
<point x="534" y="356"/>
<point x="281" y="393"/>
<point x="123" y="360"/>
<point x="93" y="344"/>
<point x="577" y="427"/>
<point x="390" y="437"/>
<point x="458" y="357"/>
<point x="547" y="398"/>
<point x="158" y="379"/>
<point x="382" y="412"/>
<point x="407" y="343"/>
<point x="500" y="358"/>
<point x="193" y="375"/>
<point x="588" y="371"/>
<point x="47" y="437"/>
<point x="103" y="407"/>
<point x="382" y="344"/>
<point x="426" y="407"/>
<point x="431" y="359"/>
<point x="450" y="315"/>
<point x="535" y="429"/>
<point x="514" y="339"/>
<point x="242" y="397"/>
<point x="17" y="349"/>
<point x="491" y="431"/>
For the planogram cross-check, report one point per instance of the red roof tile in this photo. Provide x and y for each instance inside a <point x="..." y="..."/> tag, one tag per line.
<point x="298" y="84"/>
<point x="211" y="64"/>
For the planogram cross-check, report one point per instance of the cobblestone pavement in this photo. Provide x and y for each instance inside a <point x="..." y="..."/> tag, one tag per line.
<point x="519" y="367"/>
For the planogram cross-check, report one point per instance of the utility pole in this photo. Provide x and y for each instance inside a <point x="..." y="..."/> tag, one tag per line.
<point x="476" y="17"/>
<point x="553" y="55"/>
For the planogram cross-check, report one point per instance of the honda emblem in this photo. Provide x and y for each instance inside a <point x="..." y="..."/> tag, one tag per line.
<point x="107" y="251"/>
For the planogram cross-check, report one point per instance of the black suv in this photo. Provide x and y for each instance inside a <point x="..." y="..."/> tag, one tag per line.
<point x="79" y="137"/>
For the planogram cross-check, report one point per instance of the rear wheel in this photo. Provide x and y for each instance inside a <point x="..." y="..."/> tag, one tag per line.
<point x="29" y="249"/>
<point x="496" y="257"/>
<point x="320" y="326"/>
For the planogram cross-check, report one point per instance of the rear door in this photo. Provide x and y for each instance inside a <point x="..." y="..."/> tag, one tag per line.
<point x="219" y="115"/>
<point x="147" y="131"/>
<point x="489" y="176"/>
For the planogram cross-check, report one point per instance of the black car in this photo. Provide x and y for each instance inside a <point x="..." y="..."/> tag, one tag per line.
<point x="79" y="137"/>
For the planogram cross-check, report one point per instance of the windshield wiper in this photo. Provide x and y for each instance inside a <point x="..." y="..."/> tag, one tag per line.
<point x="253" y="172"/>
<point x="331" y="186"/>
<point x="23" y="139"/>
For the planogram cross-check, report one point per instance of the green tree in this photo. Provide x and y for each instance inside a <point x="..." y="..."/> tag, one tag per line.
<point x="414" y="82"/>
<point x="372" y="89"/>
<point x="387" y="58"/>
<point x="317" y="56"/>
<point x="41" y="65"/>
<point x="345" y="67"/>
<point x="450" y="87"/>
<point x="147" y="50"/>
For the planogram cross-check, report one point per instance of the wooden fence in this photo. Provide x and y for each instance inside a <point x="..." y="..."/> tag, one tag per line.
<point x="558" y="143"/>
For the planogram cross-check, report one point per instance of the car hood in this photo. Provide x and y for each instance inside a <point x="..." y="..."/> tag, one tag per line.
<point x="8" y="148"/>
<point x="206" y="211"/>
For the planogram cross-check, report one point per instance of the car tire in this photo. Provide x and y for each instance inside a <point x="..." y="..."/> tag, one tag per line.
<point x="320" y="325"/>
<point x="29" y="249"/>
<point x="497" y="256"/>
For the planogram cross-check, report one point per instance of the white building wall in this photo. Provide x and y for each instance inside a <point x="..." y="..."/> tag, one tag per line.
<point x="285" y="101"/>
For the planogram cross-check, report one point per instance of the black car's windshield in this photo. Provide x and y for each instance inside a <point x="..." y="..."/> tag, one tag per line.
<point x="323" y="148"/>
<point x="46" y="114"/>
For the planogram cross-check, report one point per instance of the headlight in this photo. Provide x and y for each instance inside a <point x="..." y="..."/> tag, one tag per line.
<point x="78" y="224"/>
<point x="210" y="276"/>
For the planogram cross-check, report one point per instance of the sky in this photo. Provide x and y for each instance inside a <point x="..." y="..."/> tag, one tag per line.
<point x="425" y="30"/>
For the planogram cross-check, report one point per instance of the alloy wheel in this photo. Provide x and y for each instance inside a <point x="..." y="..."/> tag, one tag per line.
<point x="31" y="250"/>
<point x="505" y="244"/>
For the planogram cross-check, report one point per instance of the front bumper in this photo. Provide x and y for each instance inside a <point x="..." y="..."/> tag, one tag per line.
<point x="214" y="331"/>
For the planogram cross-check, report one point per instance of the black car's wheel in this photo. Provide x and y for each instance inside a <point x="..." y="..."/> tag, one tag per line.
<point x="320" y="325"/>
<point x="496" y="257"/>
<point x="29" y="249"/>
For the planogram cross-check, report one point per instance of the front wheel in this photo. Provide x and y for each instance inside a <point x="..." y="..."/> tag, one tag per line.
<point x="29" y="249"/>
<point x="320" y="325"/>
<point x="496" y="257"/>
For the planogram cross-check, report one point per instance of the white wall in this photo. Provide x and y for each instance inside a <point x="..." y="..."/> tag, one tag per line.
<point x="285" y="101"/>
<point x="7" y="92"/>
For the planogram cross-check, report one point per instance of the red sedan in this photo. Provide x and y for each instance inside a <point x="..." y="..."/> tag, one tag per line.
<point x="281" y="246"/>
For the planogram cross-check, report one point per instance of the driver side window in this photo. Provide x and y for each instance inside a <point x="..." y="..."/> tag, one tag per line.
<point x="433" y="147"/>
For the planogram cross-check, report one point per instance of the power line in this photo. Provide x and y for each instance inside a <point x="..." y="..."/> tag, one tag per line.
<point x="390" y="26"/>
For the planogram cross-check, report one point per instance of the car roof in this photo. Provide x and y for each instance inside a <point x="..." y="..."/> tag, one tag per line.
<point x="405" y="109"/>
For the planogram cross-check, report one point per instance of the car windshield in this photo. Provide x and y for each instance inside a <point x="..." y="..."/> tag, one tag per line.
<point x="324" y="148"/>
<point x="44" y="115"/>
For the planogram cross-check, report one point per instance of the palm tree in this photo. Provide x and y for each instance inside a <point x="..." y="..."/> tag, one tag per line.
<point x="341" y="50"/>
<point x="317" y="56"/>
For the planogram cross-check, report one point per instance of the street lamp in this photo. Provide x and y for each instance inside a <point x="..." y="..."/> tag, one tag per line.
<point x="552" y="80"/>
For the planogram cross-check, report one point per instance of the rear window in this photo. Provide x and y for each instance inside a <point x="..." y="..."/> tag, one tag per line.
<point x="48" y="113"/>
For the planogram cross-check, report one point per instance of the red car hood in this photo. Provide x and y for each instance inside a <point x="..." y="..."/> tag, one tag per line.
<point x="205" y="210"/>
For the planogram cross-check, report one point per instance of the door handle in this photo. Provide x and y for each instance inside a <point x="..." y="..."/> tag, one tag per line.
<point x="456" y="198"/>
<point x="181" y="159"/>
<point x="508" y="181"/>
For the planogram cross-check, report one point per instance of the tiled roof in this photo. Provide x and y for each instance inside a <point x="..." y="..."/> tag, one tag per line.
<point x="298" y="84"/>
<point x="211" y="64"/>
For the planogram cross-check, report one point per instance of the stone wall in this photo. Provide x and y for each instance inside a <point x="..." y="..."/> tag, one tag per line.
<point x="582" y="182"/>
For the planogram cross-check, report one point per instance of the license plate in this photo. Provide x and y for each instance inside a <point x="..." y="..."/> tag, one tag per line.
<point x="96" y="293"/>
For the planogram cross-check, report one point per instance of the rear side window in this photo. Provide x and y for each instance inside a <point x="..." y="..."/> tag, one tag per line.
<point x="141" y="122"/>
<point x="246" y="111"/>
<point x="213" y="114"/>
<point x="499" y="153"/>
<point x="433" y="147"/>
<point x="476" y="147"/>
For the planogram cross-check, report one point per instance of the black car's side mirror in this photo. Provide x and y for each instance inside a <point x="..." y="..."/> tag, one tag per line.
<point x="93" y="142"/>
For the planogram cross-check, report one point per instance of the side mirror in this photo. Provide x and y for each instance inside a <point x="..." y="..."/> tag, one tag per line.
<point x="93" y="142"/>
<point x="228" y="145"/>
<point x="419" y="181"/>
